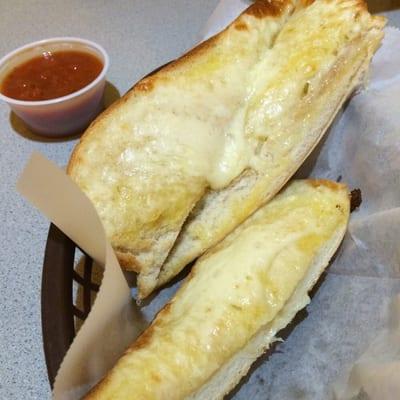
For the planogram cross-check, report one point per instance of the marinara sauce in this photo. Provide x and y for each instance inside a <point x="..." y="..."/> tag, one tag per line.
<point x="51" y="75"/>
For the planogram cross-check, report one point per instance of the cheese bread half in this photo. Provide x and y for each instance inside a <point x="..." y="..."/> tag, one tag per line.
<point x="236" y="299"/>
<point x="147" y="160"/>
<point x="318" y="59"/>
<point x="217" y="133"/>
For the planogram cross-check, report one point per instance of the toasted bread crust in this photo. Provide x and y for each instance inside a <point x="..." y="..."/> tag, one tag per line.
<point x="265" y="8"/>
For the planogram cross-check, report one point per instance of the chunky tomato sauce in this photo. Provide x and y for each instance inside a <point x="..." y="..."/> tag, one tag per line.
<point x="51" y="75"/>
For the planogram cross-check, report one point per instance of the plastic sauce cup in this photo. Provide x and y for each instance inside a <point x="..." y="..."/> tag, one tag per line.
<point x="64" y="115"/>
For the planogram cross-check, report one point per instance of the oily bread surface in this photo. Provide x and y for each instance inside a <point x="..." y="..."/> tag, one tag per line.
<point x="225" y="380"/>
<point x="160" y="358"/>
<point x="219" y="212"/>
<point x="137" y="163"/>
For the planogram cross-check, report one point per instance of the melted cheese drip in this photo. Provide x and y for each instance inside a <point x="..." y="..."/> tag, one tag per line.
<point x="233" y="292"/>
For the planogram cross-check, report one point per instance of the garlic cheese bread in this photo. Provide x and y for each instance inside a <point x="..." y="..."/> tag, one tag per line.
<point x="214" y="135"/>
<point x="236" y="299"/>
<point x="148" y="159"/>
<point x="318" y="59"/>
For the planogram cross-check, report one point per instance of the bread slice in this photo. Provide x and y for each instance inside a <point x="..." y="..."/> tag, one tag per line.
<point x="213" y="136"/>
<point x="237" y="297"/>
<point x="147" y="160"/>
<point x="318" y="59"/>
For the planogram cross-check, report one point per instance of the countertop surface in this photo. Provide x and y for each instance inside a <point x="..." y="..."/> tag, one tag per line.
<point x="139" y="36"/>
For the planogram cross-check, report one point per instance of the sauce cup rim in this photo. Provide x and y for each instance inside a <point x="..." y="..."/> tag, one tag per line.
<point x="65" y="39"/>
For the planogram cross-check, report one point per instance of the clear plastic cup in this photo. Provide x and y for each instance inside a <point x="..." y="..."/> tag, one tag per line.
<point x="65" y="115"/>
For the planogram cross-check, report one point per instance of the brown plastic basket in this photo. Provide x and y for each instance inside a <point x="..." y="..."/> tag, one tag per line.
<point x="58" y="309"/>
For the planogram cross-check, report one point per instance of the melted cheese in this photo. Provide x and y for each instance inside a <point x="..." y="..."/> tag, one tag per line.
<point x="285" y="84"/>
<point x="264" y="130"/>
<point x="146" y="163"/>
<point x="201" y="124"/>
<point x="316" y="61"/>
<point x="232" y="293"/>
<point x="238" y="105"/>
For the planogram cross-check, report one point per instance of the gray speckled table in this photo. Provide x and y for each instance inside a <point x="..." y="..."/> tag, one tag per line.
<point x="139" y="36"/>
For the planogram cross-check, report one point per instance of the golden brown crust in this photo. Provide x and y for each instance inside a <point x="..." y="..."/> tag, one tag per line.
<point x="267" y="8"/>
<point x="324" y="182"/>
<point x="144" y="86"/>
<point x="144" y="339"/>
<point x="306" y="3"/>
<point x="127" y="260"/>
<point x="362" y="5"/>
<point x="240" y="26"/>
